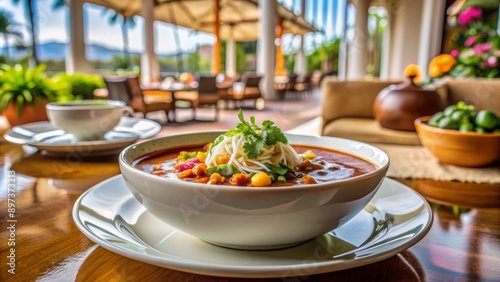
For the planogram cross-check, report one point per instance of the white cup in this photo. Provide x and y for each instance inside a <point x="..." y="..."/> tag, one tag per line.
<point x="87" y="120"/>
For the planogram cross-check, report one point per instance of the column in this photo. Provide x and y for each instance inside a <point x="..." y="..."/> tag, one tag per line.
<point x="343" y="48"/>
<point x="358" y="51"/>
<point x="266" y="47"/>
<point x="300" y="67"/>
<point x="386" y="58"/>
<point x="430" y="32"/>
<point x="231" y="55"/>
<point x="75" y="56"/>
<point x="405" y="36"/>
<point x="150" y="70"/>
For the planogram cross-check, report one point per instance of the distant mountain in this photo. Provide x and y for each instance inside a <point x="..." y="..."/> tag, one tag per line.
<point x="51" y="51"/>
<point x="56" y="51"/>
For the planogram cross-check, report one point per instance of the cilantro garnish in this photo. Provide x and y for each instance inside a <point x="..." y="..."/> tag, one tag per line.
<point x="278" y="172"/>
<point x="282" y="169"/>
<point x="255" y="136"/>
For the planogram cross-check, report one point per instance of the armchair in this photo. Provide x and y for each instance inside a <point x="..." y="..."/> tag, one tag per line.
<point x="128" y="89"/>
<point x="348" y="107"/>
<point x="348" y="113"/>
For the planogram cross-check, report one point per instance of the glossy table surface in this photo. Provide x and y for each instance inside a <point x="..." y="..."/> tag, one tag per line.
<point x="462" y="245"/>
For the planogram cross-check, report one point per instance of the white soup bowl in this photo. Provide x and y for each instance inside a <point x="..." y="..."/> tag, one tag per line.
<point x="253" y="218"/>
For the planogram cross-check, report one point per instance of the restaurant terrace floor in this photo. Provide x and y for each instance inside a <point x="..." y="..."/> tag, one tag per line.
<point x="286" y="114"/>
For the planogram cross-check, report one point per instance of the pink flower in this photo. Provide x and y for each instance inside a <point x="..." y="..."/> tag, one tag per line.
<point x="469" y="41"/>
<point x="468" y="15"/>
<point x="491" y="62"/>
<point x="454" y="53"/>
<point x="482" y="48"/>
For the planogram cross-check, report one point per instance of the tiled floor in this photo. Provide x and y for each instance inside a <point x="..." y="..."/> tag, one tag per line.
<point x="285" y="114"/>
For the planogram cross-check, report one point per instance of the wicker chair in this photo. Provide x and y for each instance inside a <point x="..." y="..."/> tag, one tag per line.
<point x="128" y="89"/>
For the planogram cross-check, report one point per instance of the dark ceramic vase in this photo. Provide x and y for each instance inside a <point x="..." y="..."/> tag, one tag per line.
<point x="397" y="106"/>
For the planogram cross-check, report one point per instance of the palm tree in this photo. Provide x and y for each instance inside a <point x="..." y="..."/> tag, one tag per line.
<point x="124" y="22"/>
<point x="8" y="29"/>
<point x="31" y="8"/>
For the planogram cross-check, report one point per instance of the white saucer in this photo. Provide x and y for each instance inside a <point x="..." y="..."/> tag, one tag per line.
<point x="394" y="220"/>
<point x="46" y="137"/>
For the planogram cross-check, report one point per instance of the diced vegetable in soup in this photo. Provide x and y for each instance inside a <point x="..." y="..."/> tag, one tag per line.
<point x="254" y="156"/>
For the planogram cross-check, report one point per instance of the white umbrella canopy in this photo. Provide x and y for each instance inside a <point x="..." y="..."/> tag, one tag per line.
<point x="239" y="19"/>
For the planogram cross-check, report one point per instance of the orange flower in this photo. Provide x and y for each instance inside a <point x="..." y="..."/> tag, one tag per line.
<point x="412" y="71"/>
<point x="434" y="69"/>
<point x="441" y="64"/>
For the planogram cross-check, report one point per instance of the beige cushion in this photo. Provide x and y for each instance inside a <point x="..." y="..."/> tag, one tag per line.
<point x="350" y="98"/>
<point x="368" y="130"/>
<point x="484" y="94"/>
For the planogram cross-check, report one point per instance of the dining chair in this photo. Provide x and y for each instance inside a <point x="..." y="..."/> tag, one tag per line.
<point x="251" y="90"/>
<point x="207" y="94"/>
<point x="286" y="87"/>
<point x="303" y="84"/>
<point x="128" y="89"/>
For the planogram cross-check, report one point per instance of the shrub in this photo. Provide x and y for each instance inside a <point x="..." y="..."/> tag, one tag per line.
<point x="82" y="86"/>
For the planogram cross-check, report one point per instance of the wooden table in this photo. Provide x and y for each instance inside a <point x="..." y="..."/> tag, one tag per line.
<point x="462" y="245"/>
<point x="171" y="89"/>
<point x="187" y="93"/>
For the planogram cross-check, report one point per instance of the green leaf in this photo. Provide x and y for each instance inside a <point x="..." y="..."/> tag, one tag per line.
<point x="253" y="146"/>
<point x="223" y="169"/>
<point x="278" y="169"/>
<point x="273" y="133"/>
<point x="272" y="175"/>
<point x="240" y="116"/>
<point x="256" y="137"/>
<point x="27" y="96"/>
<point x="19" y="106"/>
<point x="287" y="167"/>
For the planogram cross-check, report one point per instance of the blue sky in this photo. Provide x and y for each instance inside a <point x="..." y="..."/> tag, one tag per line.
<point x="53" y="26"/>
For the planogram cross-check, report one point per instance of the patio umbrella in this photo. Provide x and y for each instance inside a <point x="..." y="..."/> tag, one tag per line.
<point x="228" y="19"/>
<point x="242" y="16"/>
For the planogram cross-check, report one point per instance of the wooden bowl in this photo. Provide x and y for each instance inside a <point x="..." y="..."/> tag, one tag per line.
<point x="459" y="148"/>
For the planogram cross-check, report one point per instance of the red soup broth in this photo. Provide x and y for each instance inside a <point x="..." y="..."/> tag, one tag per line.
<point x="336" y="165"/>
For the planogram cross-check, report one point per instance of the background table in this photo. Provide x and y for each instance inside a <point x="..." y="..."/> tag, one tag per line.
<point x="462" y="245"/>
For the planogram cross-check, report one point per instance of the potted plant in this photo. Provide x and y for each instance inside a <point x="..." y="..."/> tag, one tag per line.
<point x="24" y="92"/>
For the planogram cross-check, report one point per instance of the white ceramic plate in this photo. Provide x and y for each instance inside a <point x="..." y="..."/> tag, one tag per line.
<point x="46" y="137"/>
<point x="394" y="220"/>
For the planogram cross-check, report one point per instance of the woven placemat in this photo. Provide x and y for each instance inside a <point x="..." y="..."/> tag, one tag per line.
<point x="416" y="162"/>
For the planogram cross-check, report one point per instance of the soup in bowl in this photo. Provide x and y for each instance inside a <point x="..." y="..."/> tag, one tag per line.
<point x="208" y="185"/>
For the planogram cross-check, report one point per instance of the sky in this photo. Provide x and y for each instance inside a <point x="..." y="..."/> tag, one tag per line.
<point x="52" y="26"/>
